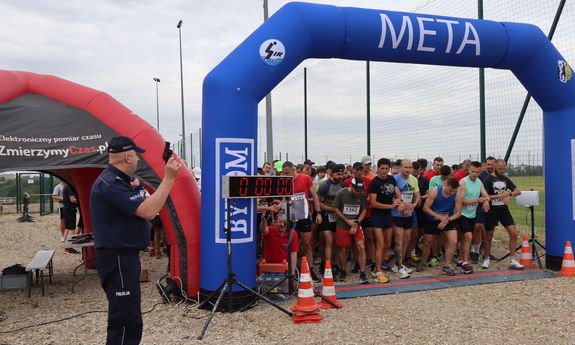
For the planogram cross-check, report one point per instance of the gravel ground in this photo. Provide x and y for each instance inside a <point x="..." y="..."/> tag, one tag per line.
<point x="530" y="312"/>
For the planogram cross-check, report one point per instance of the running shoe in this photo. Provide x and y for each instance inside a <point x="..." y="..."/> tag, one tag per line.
<point x="433" y="262"/>
<point x="402" y="273"/>
<point x="448" y="271"/>
<point x="467" y="268"/>
<point x="355" y="268"/>
<point x="381" y="278"/>
<point x="395" y="269"/>
<point x="407" y="269"/>
<point x="420" y="267"/>
<point x="363" y="279"/>
<point x="73" y="251"/>
<point x="516" y="265"/>
<point x="340" y="277"/>
<point x="486" y="263"/>
<point x="474" y="257"/>
<point x="415" y="258"/>
<point x="385" y="265"/>
<point x="314" y="277"/>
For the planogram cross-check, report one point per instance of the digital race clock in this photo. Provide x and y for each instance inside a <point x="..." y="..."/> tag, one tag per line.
<point x="257" y="186"/>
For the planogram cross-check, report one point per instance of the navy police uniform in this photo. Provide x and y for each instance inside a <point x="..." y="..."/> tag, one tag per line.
<point x="119" y="235"/>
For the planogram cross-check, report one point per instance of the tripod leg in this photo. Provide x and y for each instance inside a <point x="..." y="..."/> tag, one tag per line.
<point x="212" y="294"/>
<point x="207" y="323"/>
<point x="268" y="301"/>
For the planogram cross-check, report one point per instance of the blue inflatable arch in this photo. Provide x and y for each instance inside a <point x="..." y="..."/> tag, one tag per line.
<point x="298" y="31"/>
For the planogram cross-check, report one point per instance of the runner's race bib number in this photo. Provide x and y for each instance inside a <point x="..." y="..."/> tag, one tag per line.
<point x="331" y="217"/>
<point x="300" y="208"/>
<point x="351" y="210"/>
<point x="407" y="198"/>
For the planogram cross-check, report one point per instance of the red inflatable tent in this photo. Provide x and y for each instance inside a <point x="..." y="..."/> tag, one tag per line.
<point x="53" y="125"/>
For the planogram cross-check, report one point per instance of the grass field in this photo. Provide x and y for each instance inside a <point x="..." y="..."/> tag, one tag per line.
<point x="521" y="214"/>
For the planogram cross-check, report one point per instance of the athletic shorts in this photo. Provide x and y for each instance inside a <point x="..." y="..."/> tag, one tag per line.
<point x="61" y="212"/>
<point x="431" y="227"/>
<point x="70" y="218"/>
<point x="343" y="237"/>
<point x="303" y="225"/>
<point x="326" y="225"/>
<point x="366" y="223"/>
<point x="403" y="222"/>
<point x="498" y="215"/>
<point x="479" y="214"/>
<point x="383" y="221"/>
<point x="421" y="218"/>
<point x="466" y="224"/>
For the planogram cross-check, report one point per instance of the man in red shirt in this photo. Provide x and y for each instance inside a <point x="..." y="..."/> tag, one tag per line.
<point x="437" y="164"/>
<point x="276" y="241"/>
<point x="464" y="171"/>
<point x="301" y="211"/>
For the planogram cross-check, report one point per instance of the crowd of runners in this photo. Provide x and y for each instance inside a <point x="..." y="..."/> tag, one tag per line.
<point x="396" y="217"/>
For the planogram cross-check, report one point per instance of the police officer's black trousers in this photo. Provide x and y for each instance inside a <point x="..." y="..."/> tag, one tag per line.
<point x="120" y="278"/>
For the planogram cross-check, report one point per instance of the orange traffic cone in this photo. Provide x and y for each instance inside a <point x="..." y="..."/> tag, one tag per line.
<point x="568" y="266"/>
<point x="328" y="288"/>
<point x="526" y="256"/>
<point x="306" y="309"/>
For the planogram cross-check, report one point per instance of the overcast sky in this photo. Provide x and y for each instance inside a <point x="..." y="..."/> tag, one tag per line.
<point x="119" y="46"/>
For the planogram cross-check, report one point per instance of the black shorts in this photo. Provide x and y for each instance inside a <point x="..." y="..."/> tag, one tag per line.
<point x="81" y="222"/>
<point x="70" y="218"/>
<point x="403" y="222"/>
<point x="466" y="224"/>
<point x="61" y="212"/>
<point x="479" y="215"/>
<point x="431" y="227"/>
<point x="381" y="220"/>
<point x="421" y="217"/>
<point x="326" y="225"/>
<point x="366" y="223"/>
<point x="303" y="225"/>
<point x="498" y="215"/>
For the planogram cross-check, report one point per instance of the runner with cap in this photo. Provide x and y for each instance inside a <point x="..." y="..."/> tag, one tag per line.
<point x="350" y="206"/>
<point x="366" y="168"/>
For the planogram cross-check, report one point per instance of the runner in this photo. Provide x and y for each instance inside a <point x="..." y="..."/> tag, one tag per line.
<point x="383" y="196"/>
<point x="350" y="206"/>
<point x="403" y="216"/>
<point x="444" y="173"/>
<point x="366" y="168"/>
<point x="326" y="193"/>
<point x="500" y="188"/>
<point x="475" y="196"/>
<point x="437" y="164"/>
<point x="443" y="206"/>
<point x="300" y="211"/>
<point x="463" y="170"/>
<point x="478" y="231"/>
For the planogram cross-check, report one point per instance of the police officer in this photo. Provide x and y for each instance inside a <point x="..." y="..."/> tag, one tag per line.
<point x="121" y="228"/>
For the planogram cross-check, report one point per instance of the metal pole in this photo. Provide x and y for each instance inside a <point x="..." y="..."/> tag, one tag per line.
<point x="269" y="127"/>
<point x="179" y="26"/>
<point x="192" y="149"/>
<point x="368" y="100"/>
<point x="157" y="80"/>
<point x="200" y="137"/>
<point x="482" y="134"/>
<point x="305" y="111"/>
<point x="528" y="97"/>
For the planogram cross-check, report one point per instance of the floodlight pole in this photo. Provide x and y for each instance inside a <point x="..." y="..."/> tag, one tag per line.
<point x="179" y="26"/>
<point x="157" y="80"/>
